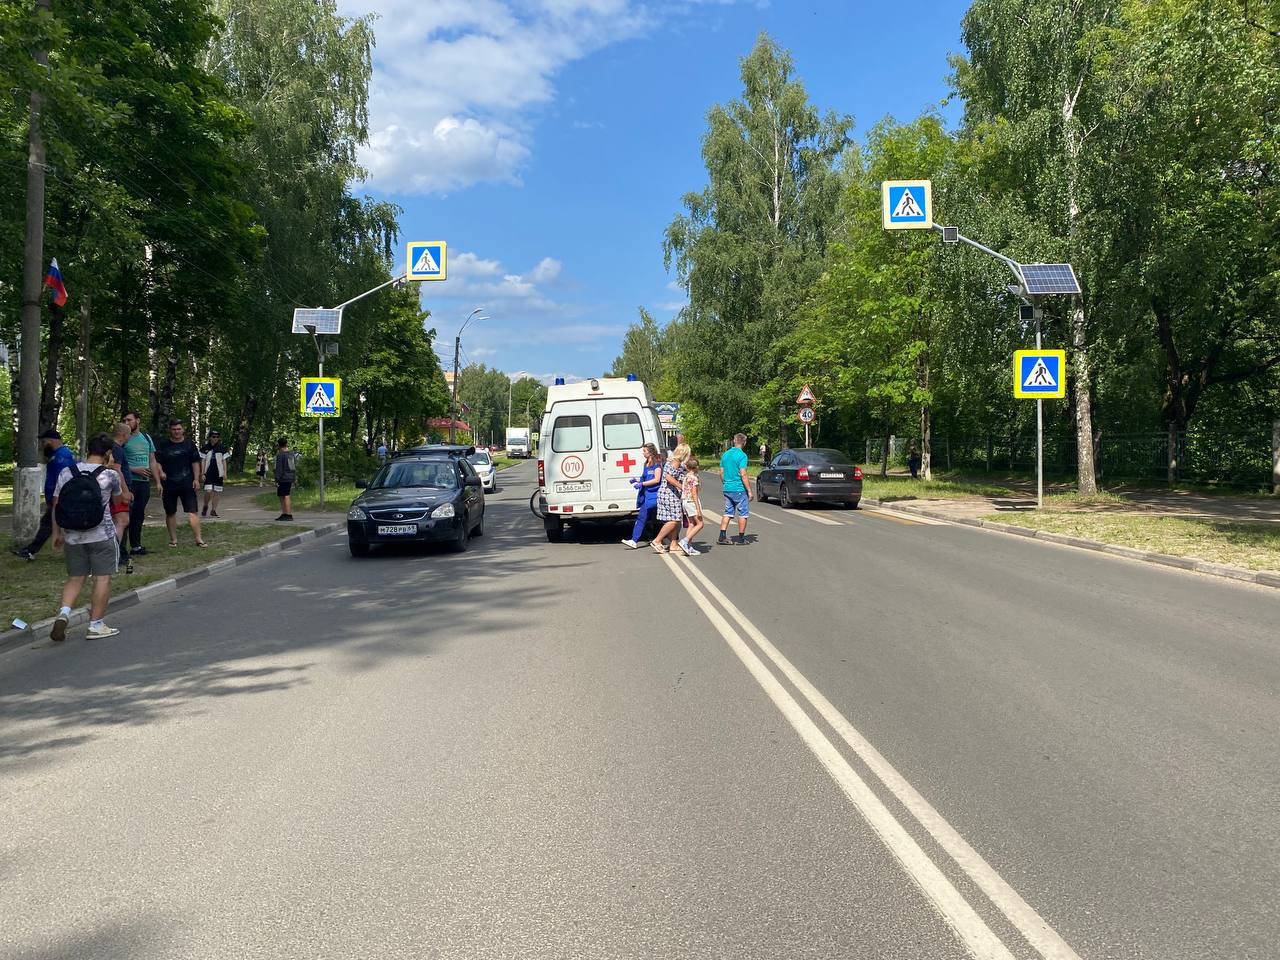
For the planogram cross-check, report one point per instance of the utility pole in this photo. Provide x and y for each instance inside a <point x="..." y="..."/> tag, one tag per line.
<point x="453" y="402"/>
<point x="26" y="479"/>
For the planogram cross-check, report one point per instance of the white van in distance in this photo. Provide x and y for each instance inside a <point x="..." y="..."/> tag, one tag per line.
<point x="518" y="442"/>
<point x="591" y="448"/>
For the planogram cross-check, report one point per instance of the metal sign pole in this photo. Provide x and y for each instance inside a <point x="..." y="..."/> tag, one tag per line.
<point x="321" y="419"/>
<point x="1039" y="435"/>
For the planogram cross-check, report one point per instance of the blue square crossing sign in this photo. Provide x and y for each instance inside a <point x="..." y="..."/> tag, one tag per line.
<point x="321" y="397"/>
<point x="1040" y="373"/>
<point x="907" y="204"/>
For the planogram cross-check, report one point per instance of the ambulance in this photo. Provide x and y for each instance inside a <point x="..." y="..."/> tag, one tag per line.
<point x="591" y="448"/>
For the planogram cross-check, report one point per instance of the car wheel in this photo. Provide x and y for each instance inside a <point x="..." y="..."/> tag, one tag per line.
<point x="851" y="504"/>
<point x="555" y="530"/>
<point x="459" y="544"/>
<point x="760" y="493"/>
<point x="784" y="497"/>
<point x="479" y="530"/>
<point x="358" y="549"/>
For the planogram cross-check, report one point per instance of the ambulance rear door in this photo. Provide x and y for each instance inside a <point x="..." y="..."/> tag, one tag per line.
<point x="620" y="452"/>
<point x="570" y="458"/>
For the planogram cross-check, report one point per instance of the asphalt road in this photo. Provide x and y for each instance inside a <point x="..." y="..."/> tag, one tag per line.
<point x="855" y="737"/>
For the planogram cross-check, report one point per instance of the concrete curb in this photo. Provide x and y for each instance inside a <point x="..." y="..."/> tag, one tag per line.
<point x="13" y="639"/>
<point x="1264" y="578"/>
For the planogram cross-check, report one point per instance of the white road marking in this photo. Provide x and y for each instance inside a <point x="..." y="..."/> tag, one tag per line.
<point x="715" y="517"/>
<point x="1047" y="942"/>
<point x="910" y="517"/>
<point x="816" y="518"/>
<point x="971" y="929"/>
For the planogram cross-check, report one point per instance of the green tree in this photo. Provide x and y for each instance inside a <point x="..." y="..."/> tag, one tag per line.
<point x="645" y="351"/>
<point x="753" y="240"/>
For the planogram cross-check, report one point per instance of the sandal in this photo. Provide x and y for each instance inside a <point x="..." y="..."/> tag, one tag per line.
<point x="659" y="550"/>
<point x="173" y="543"/>
<point x="201" y="543"/>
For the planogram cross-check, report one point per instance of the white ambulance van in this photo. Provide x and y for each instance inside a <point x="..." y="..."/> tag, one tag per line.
<point x="591" y="448"/>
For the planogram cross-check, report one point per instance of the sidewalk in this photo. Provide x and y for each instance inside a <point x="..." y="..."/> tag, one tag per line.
<point x="237" y="504"/>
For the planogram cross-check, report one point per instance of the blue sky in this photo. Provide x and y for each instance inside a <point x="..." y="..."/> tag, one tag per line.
<point x="550" y="141"/>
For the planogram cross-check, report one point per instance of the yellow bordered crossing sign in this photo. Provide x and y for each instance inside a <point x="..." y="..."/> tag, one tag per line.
<point x="426" y="260"/>
<point x="1040" y="374"/>
<point x="907" y="204"/>
<point x="321" y="397"/>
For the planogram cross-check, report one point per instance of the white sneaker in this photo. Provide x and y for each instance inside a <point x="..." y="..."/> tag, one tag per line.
<point x="630" y="544"/>
<point x="97" y="633"/>
<point x="684" y="545"/>
<point x="693" y="551"/>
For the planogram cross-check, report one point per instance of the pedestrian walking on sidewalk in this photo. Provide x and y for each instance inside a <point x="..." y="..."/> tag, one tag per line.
<point x="262" y="466"/>
<point x="213" y="461"/>
<point x="181" y="476"/>
<point x="84" y="531"/>
<point x="737" y="490"/>
<point x="121" y="505"/>
<point x="60" y="457"/>
<point x="143" y="470"/>
<point x="285" y="475"/>
<point x="913" y="460"/>
<point x="670" y="508"/>
<point x="646" y="494"/>
<point x="691" y="502"/>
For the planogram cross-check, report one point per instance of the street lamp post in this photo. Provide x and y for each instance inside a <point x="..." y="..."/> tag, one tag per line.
<point x="457" y="348"/>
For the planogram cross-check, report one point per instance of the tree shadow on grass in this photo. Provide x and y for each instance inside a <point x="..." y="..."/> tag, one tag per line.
<point x="249" y="632"/>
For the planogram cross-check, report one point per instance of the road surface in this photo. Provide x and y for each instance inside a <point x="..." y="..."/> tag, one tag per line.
<point x="856" y="737"/>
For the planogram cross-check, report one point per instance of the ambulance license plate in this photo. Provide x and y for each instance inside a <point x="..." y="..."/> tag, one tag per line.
<point x="831" y="476"/>
<point x="582" y="487"/>
<point x="394" y="529"/>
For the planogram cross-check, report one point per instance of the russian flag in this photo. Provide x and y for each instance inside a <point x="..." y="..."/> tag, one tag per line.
<point x="53" y="280"/>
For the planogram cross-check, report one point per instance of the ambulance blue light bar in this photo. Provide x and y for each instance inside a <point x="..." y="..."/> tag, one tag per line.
<point x="559" y="381"/>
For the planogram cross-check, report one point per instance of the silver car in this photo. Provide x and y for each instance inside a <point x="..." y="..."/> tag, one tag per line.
<point x="483" y="463"/>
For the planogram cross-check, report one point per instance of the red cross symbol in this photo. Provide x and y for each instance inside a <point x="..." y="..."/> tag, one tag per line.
<point x="626" y="463"/>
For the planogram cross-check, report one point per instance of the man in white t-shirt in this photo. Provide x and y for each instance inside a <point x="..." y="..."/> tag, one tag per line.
<point x="88" y="552"/>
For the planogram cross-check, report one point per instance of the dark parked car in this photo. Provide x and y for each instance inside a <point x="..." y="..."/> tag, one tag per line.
<point x="418" y="499"/>
<point x="808" y="475"/>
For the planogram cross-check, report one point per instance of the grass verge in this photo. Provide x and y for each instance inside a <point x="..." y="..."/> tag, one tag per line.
<point x="940" y="487"/>
<point x="30" y="589"/>
<point x="1255" y="546"/>
<point x="337" y="497"/>
<point x="6" y="487"/>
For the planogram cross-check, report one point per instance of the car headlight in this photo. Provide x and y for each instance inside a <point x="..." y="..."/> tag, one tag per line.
<point x="443" y="512"/>
<point x="357" y="513"/>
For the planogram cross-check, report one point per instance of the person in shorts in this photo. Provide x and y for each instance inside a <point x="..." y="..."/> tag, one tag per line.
<point x="213" y="463"/>
<point x="181" y="475"/>
<point x="122" y="506"/>
<point x="286" y="473"/>
<point x="737" y="490"/>
<point x="93" y="552"/>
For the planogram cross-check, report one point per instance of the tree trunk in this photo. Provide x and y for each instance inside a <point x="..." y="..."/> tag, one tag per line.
<point x="1172" y="451"/>
<point x="884" y="457"/>
<point x="82" y="401"/>
<point x="51" y="393"/>
<point x="244" y="429"/>
<point x="926" y="442"/>
<point x="1086" y="480"/>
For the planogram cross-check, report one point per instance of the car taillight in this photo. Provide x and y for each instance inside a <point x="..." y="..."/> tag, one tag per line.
<point x="857" y="473"/>
<point x="542" y="474"/>
<point x="802" y="473"/>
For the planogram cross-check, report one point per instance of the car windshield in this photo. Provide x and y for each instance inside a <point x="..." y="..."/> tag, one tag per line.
<point x="480" y="458"/>
<point x="824" y="456"/>
<point x="440" y="475"/>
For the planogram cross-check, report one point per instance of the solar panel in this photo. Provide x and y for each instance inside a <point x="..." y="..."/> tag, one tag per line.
<point x="1049" y="278"/>
<point x="325" y="321"/>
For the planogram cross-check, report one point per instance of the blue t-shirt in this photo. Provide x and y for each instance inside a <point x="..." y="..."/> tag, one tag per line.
<point x="59" y="460"/>
<point x="731" y="464"/>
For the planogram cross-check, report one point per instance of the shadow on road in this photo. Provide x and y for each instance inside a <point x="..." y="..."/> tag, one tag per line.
<point x="249" y="633"/>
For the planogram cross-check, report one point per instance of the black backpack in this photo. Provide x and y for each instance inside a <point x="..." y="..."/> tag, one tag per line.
<point x="80" y="500"/>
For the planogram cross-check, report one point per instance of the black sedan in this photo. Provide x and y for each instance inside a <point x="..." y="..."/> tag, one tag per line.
<point x="418" y="500"/>
<point x="817" y="474"/>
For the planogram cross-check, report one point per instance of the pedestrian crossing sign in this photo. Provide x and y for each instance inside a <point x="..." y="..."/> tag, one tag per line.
<point x="321" y="397"/>
<point x="907" y="204"/>
<point x="426" y="260"/>
<point x="1041" y="374"/>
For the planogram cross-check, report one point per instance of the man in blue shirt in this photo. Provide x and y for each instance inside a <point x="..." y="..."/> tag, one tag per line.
<point x="60" y="457"/>
<point x="737" y="490"/>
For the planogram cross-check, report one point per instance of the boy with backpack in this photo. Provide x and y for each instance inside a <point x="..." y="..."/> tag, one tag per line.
<point x="84" y="531"/>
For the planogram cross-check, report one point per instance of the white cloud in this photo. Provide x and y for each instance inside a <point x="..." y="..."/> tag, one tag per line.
<point x="673" y="305"/>
<point x="457" y="83"/>
<point x="547" y="270"/>
<point x="488" y="283"/>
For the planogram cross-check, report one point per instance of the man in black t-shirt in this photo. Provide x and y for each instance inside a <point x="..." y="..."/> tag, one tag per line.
<point x="180" y="475"/>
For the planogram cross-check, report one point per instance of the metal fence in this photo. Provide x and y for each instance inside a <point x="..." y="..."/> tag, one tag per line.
<point x="1200" y="456"/>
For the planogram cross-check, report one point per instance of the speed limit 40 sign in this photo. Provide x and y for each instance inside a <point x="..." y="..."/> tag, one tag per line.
<point x="807" y="414"/>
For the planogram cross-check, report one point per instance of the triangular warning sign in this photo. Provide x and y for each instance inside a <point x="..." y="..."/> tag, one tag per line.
<point x="1040" y="376"/>
<point x="907" y="206"/>
<point x="320" y="399"/>
<point x="806" y="395"/>
<point x="426" y="263"/>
